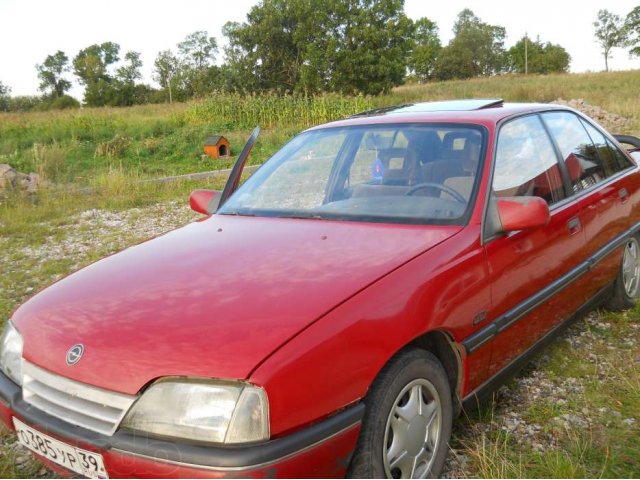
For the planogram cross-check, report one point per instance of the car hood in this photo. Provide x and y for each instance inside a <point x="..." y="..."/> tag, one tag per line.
<point x="211" y="299"/>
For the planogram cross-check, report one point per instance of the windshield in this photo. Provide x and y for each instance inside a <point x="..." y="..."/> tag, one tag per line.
<point x="422" y="173"/>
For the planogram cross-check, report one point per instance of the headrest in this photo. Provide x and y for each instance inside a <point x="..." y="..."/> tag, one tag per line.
<point x="400" y="166"/>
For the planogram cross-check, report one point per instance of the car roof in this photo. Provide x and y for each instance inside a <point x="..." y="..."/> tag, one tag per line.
<point x="481" y="111"/>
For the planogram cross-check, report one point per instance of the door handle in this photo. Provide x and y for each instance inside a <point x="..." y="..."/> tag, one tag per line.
<point x="574" y="225"/>
<point x="623" y="193"/>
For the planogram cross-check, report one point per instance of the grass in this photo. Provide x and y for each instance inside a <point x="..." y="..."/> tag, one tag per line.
<point x="154" y="140"/>
<point x="602" y="366"/>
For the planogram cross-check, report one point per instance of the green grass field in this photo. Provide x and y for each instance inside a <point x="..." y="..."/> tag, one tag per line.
<point x="574" y="412"/>
<point x="157" y="140"/>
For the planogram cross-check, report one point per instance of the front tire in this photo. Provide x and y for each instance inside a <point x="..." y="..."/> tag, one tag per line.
<point x="407" y="424"/>
<point x="626" y="286"/>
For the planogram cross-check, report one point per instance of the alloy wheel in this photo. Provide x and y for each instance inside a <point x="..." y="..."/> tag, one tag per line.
<point x="413" y="431"/>
<point x="631" y="267"/>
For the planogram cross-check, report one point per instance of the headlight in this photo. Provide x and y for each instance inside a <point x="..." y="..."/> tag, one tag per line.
<point x="11" y="353"/>
<point x="209" y="412"/>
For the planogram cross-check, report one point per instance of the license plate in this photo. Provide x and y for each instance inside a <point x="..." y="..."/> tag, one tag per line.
<point x="84" y="462"/>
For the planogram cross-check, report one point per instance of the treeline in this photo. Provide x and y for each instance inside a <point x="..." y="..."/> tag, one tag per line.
<point x="305" y="47"/>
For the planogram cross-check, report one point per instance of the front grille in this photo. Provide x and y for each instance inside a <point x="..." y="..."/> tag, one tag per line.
<point x="74" y="402"/>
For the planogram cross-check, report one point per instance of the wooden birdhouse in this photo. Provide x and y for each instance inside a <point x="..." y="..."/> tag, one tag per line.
<point x="217" y="146"/>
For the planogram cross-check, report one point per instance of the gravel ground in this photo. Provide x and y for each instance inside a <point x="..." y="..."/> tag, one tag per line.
<point x="115" y="230"/>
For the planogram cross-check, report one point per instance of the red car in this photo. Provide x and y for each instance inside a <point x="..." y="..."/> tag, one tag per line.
<point x="374" y="277"/>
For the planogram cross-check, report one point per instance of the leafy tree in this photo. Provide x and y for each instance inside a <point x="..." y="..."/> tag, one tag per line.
<point x="632" y="31"/>
<point x="477" y="48"/>
<point x="130" y="72"/>
<point x="124" y="86"/>
<point x="610" y="33"/>
<point x="425" y="49"/>
<point x="51" y="74"/>
<point x="267" y="52"/>
<point x="5" y="90"/>
<point x="198" y="50"/>
<point x="196" y="70"/>
<point x="542" y="57"/>
<point x="91" y="67"/>
<point x="167" y="67"/>
<point x="305" y="46"/>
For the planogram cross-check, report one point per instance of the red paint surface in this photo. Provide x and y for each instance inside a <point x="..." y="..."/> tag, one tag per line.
<point x="211" y="299"/>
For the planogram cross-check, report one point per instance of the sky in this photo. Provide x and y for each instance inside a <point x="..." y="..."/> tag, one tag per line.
<point x="32" y="29"/>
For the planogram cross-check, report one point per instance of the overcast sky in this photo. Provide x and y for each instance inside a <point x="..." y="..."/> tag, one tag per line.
<point x="31" y="29"/>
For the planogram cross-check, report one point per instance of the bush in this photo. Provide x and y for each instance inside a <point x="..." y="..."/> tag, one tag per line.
<point x="63" y="103"/>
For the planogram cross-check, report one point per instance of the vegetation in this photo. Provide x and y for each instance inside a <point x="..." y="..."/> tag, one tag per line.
<point x="610" y="33"/>
<point x="154" y="140"/>
<point x="300" y="47"/>
<point x="632" y="31"/>
<point x="537" y="57"/>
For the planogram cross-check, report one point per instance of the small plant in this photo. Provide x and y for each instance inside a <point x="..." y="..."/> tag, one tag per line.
<point x="113" y="148"/>
<point x="48" y="160"/>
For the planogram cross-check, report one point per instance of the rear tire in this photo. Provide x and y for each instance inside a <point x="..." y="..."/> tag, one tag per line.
<point x="407" y="423"/>
<point x="626" y="286"/>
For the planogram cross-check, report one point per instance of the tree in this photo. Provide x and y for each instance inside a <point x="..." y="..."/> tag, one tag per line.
<point x="425" y="49"/>
<point x="91" y="65"/>
<point x="477" y="48"/>
<point x="166" y="69"/>
<point x="610" y="33"/>
<point x="305" y="46"/>
<point x="632" y="31"/>
<point x="373" y="46"/>
<point x="542" y="57"/>
<point x="124" y="86"/>
<point x="196" y="70"/>
<point x="5" y="90"/>
<point x="198" y="50"/>
<point x="51" y="73"/>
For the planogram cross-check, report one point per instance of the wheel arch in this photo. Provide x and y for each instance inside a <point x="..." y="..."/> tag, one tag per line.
<point x="441" y="344"/>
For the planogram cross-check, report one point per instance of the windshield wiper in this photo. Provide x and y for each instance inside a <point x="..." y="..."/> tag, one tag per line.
<point x="237" y="213"/>
<point x="303" y="216"/>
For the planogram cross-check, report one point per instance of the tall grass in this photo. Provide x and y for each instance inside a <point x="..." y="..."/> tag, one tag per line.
<point x="269" y="110"/>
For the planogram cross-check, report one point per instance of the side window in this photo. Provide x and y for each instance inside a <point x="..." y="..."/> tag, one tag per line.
<point x="580" y="155"/>
<point x="526" y="162"/>
<point x="620" y="157"/>
<point x="609" y="162"/>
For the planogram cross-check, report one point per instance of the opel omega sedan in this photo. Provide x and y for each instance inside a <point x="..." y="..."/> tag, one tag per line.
<point x="334" y="313"/>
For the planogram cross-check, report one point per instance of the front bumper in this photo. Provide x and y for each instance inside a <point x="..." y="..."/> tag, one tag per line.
<point x="321" y="450"/>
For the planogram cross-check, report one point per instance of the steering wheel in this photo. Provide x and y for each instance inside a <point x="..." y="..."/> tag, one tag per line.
<point x="456" y="195"/>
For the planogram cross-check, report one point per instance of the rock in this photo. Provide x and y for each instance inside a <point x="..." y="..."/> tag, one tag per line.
<point x="10" y="178"/>
<point x="629" y="422"/>
<point x="34" y="182"/>
<point x="7" y="175"/>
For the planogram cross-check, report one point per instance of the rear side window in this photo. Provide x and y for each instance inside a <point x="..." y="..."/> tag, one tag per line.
<point x="620" y="157"/>
<point x="610" y="163"/>
<point x="580" y="154"/>
<point x="526" y="163"/>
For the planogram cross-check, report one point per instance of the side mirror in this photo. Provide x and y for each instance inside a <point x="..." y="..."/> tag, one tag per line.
<point x="521" y="213"/>
<point x="204" y="201"/>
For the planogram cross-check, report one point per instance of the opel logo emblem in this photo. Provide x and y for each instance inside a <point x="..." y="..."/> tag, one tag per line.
<point x="75" y="354"/>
